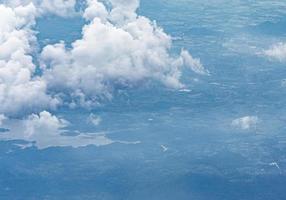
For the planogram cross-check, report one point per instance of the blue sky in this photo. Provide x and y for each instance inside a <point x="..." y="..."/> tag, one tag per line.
<point x="138" y="99"/>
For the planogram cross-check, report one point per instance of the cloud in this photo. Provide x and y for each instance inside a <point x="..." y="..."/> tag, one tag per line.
<point x="246" y="122"/>
<point x="20" y="90"/>
<point x="117" y="49"/>
<point x="44" y="124"/>
<point x="95" y="9"/>
<point x="2" y="118"/>
<point x="57" y="7"/>
<point x="193" y="64"/>
<point x="45" y="130"/>
<point x="277" y="52"/>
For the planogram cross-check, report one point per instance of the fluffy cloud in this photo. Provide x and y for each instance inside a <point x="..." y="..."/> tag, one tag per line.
<point x="19" y="88"/>
<point x="43" y="124"/>
<point x="117" y="49"/>
<point x="246" y="122"/>
<point x="278" y="52"/>
<point x="95" y="9"/>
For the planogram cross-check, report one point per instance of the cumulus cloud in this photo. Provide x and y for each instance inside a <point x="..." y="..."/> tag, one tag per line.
<point x="277" y="51"/>
<point x="95" y="9"/>
<point x="246" y="122"/>
<point x="20" y="90"/>
<point x="43" y="124"/>
<point x="117" y="49"/>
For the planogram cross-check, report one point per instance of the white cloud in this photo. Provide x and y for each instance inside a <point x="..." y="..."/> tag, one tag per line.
<point x="277" y="51"/>
<point x="123" y="10"/>
<point x="43" y="128"/>
<point x="95" y="9"/>
<point x="19" y="89"/>
<point x="194" y="64"/>
<point x="114" y="52"/>
<point x="47" y="130"/>
<point x="56" y="7"/>
<point x="246" y="122"/>
<point x="43" y="124"/>
<point x="118" y="49"/>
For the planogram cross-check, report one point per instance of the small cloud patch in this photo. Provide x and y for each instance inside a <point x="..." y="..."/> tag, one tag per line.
<point x="277" y="51"/>
<point x="245" y="123"/>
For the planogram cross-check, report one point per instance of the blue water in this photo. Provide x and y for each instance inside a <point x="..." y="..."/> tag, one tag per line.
<point x="207" y="158"/>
